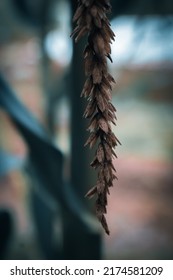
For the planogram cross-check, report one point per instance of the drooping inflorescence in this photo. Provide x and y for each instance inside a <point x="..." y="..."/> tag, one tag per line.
<point x="91" y="19"/>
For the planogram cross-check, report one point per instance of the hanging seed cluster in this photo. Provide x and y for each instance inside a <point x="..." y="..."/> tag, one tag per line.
<point x="91" y="19"/>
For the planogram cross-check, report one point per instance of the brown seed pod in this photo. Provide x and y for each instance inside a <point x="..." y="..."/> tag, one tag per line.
<point x="91" y="18"/>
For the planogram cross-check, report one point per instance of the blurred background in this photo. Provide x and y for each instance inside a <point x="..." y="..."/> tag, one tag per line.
<point x="44" y="168"/>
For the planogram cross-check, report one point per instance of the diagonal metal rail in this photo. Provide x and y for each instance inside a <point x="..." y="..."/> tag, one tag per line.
<point x="80" y="229"/>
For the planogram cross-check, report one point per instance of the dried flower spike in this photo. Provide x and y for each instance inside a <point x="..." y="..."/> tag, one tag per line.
<point x="91" y="19"/>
